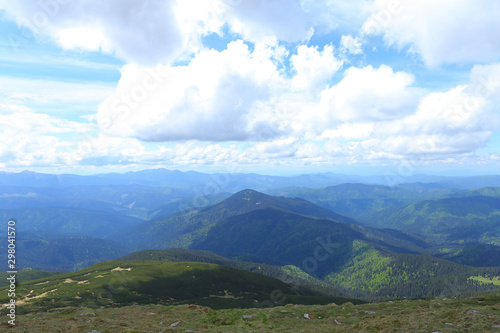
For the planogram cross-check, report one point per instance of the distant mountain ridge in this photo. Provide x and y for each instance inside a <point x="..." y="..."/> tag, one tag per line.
<point x="232" y="182"/>
<point x="56" y="252"/>
<point x="474" y="219"/>
<point x="69" y="221"/>
<point x="358" y="200"/>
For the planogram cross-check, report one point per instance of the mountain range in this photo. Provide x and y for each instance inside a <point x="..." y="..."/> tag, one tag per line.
<point x="369" y="241"/>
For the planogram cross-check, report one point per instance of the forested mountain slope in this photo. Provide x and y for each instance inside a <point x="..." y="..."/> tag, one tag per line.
<point x="464" y="220"/>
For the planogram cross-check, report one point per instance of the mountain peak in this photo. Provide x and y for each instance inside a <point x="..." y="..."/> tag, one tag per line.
<point x="248" y="200"/>
<point x="249" y="194"/>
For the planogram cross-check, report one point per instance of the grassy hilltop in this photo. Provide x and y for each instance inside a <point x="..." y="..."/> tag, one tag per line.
<point x="121" y="283"/>
<point x="163" y="296"/>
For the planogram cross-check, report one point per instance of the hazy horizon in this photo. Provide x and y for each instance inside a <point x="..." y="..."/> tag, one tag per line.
<point x="357" y="172"/>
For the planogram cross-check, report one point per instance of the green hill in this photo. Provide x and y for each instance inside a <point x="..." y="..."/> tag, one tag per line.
<point x="365" y="273"/>
<point x="302" y="282"/>
<point x="120" y="283"/>
<point x="376" y="275"/>
<point x="178" y="255"/>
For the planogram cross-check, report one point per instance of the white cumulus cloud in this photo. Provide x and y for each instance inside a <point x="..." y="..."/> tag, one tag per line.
<point x="368" y="94"/>
<point x="314" y="68"/>
<point x="350" y="44"/>
<point x="219" y="96"/>
<point x="141" y="31"/>
<point x="154" y="31"/>
<point x="441" y="31"/>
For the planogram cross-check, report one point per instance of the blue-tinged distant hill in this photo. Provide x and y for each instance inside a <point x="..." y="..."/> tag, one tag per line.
<point x="133" y="200"/>
<point x="69" y="221"/>
<point x="474" y="182"/>
<point x="58" y="252"/>
<point x="360" y="200"/>
<point x="231" y="182"/>
<point x="479" y="255"/>
<point x="466" y="220"/>
<point x="490" y="191"/>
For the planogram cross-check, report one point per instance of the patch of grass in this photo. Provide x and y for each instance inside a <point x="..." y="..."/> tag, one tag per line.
<point x="495" y="280"/>
<point x="434" y="314"/>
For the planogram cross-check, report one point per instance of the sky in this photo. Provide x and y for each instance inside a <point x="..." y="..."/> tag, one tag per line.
<point x="266" y="86"/>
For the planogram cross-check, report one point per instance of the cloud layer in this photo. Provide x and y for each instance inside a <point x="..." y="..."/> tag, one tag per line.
<point x="160" y="31"/>
<point x="293" y="82"/>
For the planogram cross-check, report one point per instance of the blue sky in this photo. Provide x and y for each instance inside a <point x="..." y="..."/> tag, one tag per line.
<point x="269" y="86"/>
